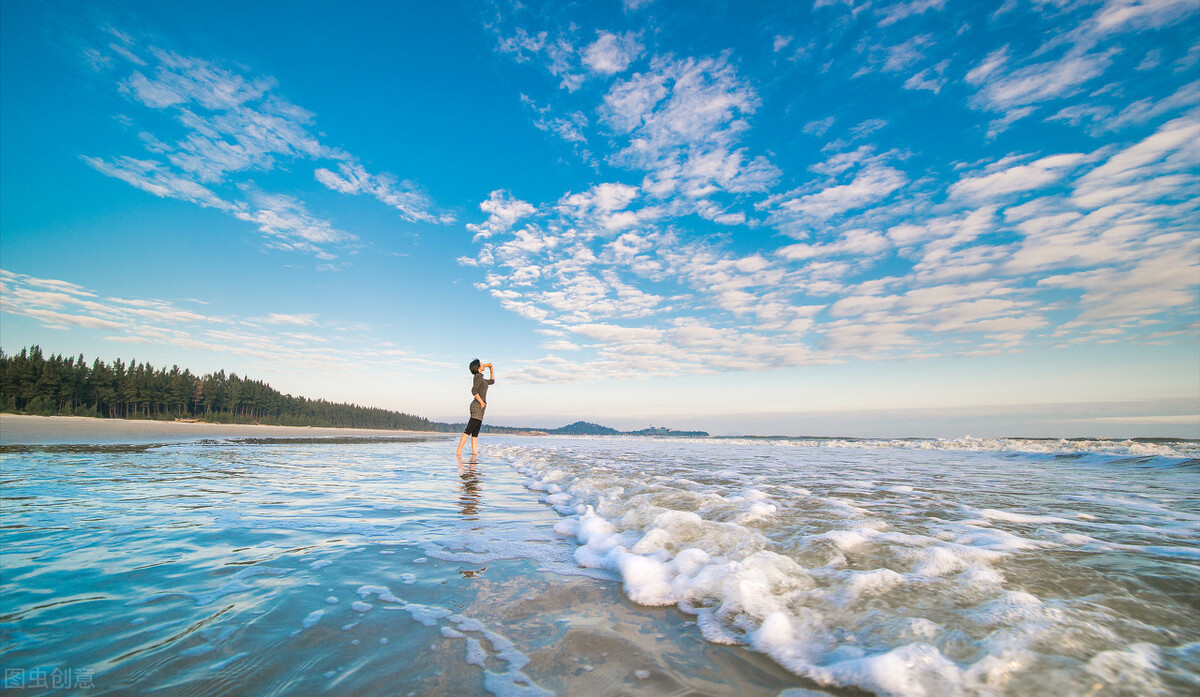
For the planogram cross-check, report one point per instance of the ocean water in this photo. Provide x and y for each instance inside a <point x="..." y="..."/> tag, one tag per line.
<point x="601" y="566"/>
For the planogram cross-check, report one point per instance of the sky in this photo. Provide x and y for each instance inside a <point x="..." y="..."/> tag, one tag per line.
<point x="826" y="217"/>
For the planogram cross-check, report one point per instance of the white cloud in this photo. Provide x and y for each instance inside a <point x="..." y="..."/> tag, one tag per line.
<point x="1103" y="120"/>
<point x="871" y="184"/>
<point x="629" y="104"/>
<point x="612" y="53"/>
<point x="571" y="127"/>
<point x="998" y="126"/>
<point x="605" y="206"/>
<point x="559" y="55"/>
<point x="1188" y="60"/>
<point x="60" y="320"/>
<point x="874" y="326"/>
<point x="1137" y="204"/>
<point x="234" y="124"/>
<point x="683" y="119"/>
<point x="930" y="79"/>
<point x="1033" y="84"/>
<point x="903" y="55"/>
<point x="287" y="224"/>
<point x="902" y="10"/>
<point x="191" y="79"/>
<point x="1128" y="15"/>
<point x="855" y="242"/>
<point x="503" y="213"/>
<point x="1145" y="110"/>
<point x="819" y="127"/>
<point x="162" y="323"/>
<point x="1153" y="285"/>
<point x="412" y="204"/>
<point x="1152" y="59"/>
<point x="1035" y="175"/>
<point x="604" y="197"/>
<point x="53" y="284"/>
<point x="299" y="320"/>
<point x="154" y="178"/>
<point x="21" y="295"/>
<point x="867" y="128"/>
<point x="1080" y="113"/>
<point x="612" y="333"/>
<point x="994" y="61"/>
<point x="1173" y="148"/>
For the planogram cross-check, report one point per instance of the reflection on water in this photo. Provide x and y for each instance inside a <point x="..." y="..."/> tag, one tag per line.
<point x="470" y="494"/>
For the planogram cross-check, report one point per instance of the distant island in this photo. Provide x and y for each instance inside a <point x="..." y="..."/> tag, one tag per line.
<point x="586" y="428"/>
<point x="56" y="385"/>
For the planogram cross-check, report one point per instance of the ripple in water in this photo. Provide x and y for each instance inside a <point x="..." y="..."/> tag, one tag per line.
<point x="759" y="567"/>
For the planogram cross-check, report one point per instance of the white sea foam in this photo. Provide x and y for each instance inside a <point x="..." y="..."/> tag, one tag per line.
<point x="1057" y="446"/>
<point x="510" y="682"/>
<point x="476" y="656"/>
<point x="239" y="582"/>
<point x="900" y="589"/>
<point x="1012" y="517"/>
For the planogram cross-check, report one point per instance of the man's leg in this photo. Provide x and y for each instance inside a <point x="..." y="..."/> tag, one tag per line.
<point x="461" y="442"/>
<point x="474" y="446"/>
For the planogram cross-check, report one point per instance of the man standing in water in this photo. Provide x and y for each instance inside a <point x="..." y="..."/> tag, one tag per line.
<point x="478" y="404"/>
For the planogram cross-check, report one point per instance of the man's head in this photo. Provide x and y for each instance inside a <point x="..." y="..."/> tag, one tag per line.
<point x="474" y="366"/>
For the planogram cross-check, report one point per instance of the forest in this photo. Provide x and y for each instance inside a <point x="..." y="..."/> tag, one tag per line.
<point x="32" y="383"/>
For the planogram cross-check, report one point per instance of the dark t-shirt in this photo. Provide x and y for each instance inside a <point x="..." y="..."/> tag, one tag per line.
<point x="479" y="387"/>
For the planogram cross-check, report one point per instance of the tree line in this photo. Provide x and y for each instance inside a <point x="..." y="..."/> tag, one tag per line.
<point x="32" y="383"/>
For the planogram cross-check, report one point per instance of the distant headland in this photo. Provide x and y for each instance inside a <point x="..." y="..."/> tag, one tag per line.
<point x="586" y="428"/>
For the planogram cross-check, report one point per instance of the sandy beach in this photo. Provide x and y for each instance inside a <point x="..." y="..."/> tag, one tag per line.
<point x="19" y="429"/>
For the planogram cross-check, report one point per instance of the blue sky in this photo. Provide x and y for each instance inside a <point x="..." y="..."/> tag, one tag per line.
<point x="924" y="217"/>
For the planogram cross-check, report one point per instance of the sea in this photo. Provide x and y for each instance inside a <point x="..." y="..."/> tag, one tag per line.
<point x="600" y="566"/>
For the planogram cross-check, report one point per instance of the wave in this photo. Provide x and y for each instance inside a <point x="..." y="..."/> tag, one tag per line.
<point x="101" y="448"/>
<point x="895" y="572"/>
<point x="1136" y="447"/>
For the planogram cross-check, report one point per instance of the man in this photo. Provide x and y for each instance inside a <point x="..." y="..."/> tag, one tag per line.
<point x="478" y="403"/>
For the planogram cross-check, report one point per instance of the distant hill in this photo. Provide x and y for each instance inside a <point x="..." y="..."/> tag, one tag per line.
<point x="586" y="428"/>
<point x="662" y="431"/>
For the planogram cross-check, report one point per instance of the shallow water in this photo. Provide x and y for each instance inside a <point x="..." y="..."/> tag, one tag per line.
<point x="600" y="566"/>
<point x="301" y="567"/>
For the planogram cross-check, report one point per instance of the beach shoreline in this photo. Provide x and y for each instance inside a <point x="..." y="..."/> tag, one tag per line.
<point x="22" y="429"/>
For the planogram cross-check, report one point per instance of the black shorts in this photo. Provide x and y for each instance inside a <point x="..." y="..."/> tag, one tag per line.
<point x="473" y="427"/>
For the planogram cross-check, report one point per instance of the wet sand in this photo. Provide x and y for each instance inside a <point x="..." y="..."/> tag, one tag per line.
<point x="18" y="429"/>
